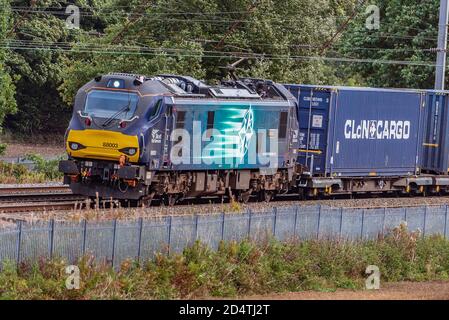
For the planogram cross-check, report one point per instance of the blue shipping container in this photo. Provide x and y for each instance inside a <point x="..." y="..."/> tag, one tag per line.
<point x="435" y="146"/>
<point x="356" y="132"/>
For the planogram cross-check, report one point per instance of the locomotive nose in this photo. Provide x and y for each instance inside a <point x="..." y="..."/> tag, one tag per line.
<point x="102" y="145"/>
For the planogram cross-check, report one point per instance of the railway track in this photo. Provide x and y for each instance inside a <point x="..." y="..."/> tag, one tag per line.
<point x="57" y="193"/>
<point x="37" y="198"/>
<point x="23" y="199"/>
<point x="8" y="189"/>
<point x="40" y="206"/>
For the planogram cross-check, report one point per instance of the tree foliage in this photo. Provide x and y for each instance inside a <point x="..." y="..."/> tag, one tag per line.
<point x="7" y="89"/>
<point x="199" y="37"/>
<point x="38" y="71"/>
<point x="408" y="29"/>
<point x="283" y="40"/>
<point x="193" y="37"/>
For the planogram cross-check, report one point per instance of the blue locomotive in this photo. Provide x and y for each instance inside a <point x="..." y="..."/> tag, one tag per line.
<point x="134" y="138"/>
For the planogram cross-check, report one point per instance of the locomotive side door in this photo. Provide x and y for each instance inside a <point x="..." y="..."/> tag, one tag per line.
<point x="158" y="138"/>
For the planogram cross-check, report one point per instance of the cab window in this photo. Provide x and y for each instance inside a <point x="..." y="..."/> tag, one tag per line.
<point x="105" y="104"/>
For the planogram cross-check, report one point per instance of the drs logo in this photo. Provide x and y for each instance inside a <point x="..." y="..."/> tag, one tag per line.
<point x="110" y="145"/>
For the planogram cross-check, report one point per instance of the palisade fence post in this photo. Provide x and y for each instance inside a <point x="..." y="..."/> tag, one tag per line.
<point x="222" y="225"/>
<point x="83" y="248"/>
<point x="19" y="241"/>
<point x="424" y="223"/>
<point x="139" y="245"/>
<point x="296" y="221"/>
<point x="169" y="234"/>
<point x="114" y="232"/>
<point x="318" y="224"/>
<point x="445" y="222"/>
<point x="383" y="220"/>
<point x="341" y="223"/>
<point x="275" y="209"/>
<point x="363" y="221"/>
<point x="196" y="227"/>
<point x="51" y="235"/>
<point x="249" y="223"/>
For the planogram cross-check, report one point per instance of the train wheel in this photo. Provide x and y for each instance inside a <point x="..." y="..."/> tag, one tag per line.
<point x="146" y="201"/>
<point x="244" y="196"/>
<point x="170" y="199"/>
<point x="267" y="195"/>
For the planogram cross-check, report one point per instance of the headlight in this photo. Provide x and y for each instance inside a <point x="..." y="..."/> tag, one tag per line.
<point x="76" y="146"/>
<point x="129" y="151"/>
<point x="116" y="83"/>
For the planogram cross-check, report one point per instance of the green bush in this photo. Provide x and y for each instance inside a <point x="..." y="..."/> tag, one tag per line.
<point x="2" y="148"/>
<point x="18" y="173"/>
<point x="237" y="269"/>
<point x="49" y="168"/>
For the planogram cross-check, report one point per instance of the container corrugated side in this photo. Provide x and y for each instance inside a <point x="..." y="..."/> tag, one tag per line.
<point x="374" y="133"/>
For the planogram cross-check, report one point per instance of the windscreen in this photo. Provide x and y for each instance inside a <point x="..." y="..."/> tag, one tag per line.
<point x="105" y="104"/>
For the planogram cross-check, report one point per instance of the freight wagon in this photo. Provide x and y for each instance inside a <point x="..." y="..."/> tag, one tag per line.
<point x="357" y="140"/>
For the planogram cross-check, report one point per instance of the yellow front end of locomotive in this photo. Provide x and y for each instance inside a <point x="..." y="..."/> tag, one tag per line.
<point x="102" y="145"/>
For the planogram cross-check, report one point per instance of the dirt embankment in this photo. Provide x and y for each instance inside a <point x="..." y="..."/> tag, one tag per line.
<point x="14" y="150"/>
<point x="436" y="290"/>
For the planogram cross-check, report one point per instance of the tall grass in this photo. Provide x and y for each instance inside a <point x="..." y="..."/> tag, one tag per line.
<point x="44" y="171"/>
<point x="237" y="269"/>
<point x="18" y="173"/>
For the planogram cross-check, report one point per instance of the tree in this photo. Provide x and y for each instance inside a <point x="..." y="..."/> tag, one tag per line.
<point x="199" y="37"/>
<point x="7" y="88"/>
<point x="408" y="29"/>
<point x="49" y="62"/>
<point x="38" y="63"/>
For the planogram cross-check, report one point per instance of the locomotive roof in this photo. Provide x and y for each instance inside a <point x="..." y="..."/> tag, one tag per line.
<point x="185" y="86"/>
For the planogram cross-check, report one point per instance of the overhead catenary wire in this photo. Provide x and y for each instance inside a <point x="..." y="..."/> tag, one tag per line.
<point x="25" y="42"/>
<point x="61" y="11"/>
<point x="59" y="44"/>
<point x="316" y="46"/>
<point x="379" y="34"/>
<point x="97" y="10"/>
<point x="36" y="43"/>
<point x="183" y="53"/>
<point x="152" y="14"/>
<point x="19" y="45"/>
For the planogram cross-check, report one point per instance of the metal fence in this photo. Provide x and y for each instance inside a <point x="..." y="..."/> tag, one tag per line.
<point x="115" y="241"/>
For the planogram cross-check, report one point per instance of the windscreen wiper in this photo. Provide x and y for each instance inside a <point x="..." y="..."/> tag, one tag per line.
<point x="115" y="115"/>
